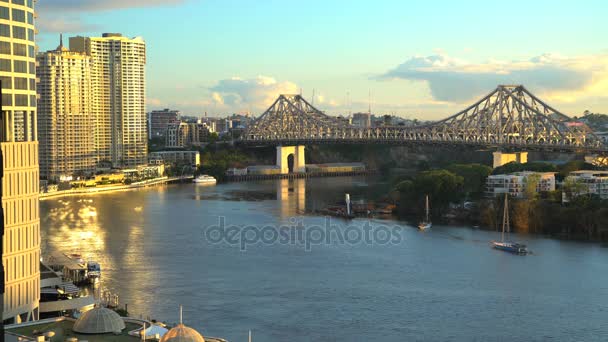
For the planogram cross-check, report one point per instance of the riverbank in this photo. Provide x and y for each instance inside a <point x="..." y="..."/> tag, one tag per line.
<point x="112" y="188"/>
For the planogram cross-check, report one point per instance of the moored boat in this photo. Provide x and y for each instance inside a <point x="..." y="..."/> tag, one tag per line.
<point x="426" y="224"/>
<point x="507" y="246"/>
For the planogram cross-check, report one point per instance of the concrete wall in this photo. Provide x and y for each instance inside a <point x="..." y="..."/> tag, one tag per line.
<point x="299" y="164"/>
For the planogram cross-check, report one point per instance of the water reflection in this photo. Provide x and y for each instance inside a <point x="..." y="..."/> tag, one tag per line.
<point x="106" y="228"/>
<point x="291" y="197"/>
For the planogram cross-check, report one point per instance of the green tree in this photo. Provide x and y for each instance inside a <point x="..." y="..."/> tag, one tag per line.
<point x="474" y="176"/>
<point x="531" y="183"/>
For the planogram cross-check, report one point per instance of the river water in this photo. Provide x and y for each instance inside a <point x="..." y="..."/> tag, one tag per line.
<point x="161" y="247"/>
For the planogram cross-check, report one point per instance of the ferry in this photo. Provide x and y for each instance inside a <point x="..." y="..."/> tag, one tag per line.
<point x="511" y="247"/>
<point x="426" y="224"/>
<point x="205" y="179"/>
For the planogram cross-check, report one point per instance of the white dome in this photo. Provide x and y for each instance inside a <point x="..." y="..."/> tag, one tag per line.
<point x="182" y="333"/>
<point x="99" y="320"/>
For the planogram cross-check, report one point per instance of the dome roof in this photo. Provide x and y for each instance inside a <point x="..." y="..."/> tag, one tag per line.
<point x="182" y="333"/>
<point x="99" y="320"/>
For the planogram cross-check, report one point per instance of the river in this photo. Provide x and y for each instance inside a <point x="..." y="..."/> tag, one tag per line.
<point x="161" y="247"/>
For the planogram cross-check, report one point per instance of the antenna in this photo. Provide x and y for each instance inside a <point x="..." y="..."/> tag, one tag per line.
<point x="370" y="102"/>
<point x="180" y="314"/>
<point x="249" y="336"/>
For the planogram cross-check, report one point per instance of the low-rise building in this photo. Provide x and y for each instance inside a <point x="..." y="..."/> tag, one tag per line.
<point x="182" y="134"/>
<point x="596" y="182"/>
<point x="177" y="157"/>
<point x="515" y="183"/>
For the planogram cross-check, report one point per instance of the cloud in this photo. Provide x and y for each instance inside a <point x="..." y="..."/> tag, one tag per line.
<point x="256" y="93"/>
<point x="453" y="80"/>
<point x="63" y="25"/>
<point x="97" y="5"/>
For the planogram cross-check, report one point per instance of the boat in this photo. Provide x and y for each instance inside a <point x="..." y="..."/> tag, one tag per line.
<point x="93" y="272"/>
<point x="508" y="246"/>
<point x="426" y="224"/>
<point x="205" y="179"/>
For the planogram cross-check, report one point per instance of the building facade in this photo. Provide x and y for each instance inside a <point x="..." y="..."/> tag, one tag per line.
<point x="119" y="93"/>
<point x="182" y="134"/>
<point x="66" y="127"/>
<point x="596" y="182"/>
<point x="159" y="120"/>
<point x="362" y="120"/>
<point x="177" y="157"/>
<point x="515" y="183"/>
<point x="20" y="178"/>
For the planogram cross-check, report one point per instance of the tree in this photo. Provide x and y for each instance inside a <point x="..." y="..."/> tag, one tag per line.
<point x="573" y="188"/>
<point x="442" y="186"/>
<point x="474" y="176"/>
<point x="531" y="183"/>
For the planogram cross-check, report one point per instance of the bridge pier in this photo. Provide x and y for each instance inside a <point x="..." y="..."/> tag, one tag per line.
<point x="501" y="158"/>
<point x="285" y="153"/>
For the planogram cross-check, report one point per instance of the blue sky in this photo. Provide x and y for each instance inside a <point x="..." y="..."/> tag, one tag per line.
<point x="424" y="59"/>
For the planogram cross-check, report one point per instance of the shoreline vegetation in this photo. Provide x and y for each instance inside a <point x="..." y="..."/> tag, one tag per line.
<point x="457" y="196"/>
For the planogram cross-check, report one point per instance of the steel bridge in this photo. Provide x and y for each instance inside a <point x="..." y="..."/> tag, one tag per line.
<point x="508" y="118"/>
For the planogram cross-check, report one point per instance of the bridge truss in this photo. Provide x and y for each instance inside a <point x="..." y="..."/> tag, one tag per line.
<point x="510" y="117"/>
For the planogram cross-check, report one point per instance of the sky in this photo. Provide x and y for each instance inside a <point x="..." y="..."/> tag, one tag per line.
<point x="415" y="59"/>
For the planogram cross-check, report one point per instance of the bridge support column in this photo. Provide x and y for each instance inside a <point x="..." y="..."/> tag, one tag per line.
<point x="283" y="155"/>
<point x="501" y="158"/>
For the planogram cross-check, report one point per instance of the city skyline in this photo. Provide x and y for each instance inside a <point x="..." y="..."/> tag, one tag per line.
<point x="413" y="66"/>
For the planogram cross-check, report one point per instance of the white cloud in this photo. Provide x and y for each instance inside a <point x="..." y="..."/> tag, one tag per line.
<point x="256" y="93"/>
<point x="557" y="77"/>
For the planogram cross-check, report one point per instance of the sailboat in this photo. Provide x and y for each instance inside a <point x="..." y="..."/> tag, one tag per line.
<point x="511" y="247"/>
<point x="426" y="224"/>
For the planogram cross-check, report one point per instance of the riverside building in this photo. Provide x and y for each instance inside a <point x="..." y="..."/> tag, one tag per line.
<point x="21" y="234"/>
<point x="118" y="86"/>
<point x="66" y="127"/>
<point x="514" y="184"/>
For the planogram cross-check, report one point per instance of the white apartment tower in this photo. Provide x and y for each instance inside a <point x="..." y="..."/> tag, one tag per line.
<point x="65" y="114"/>
<point x="118" y="84"/>
<point x="21" y="235"/>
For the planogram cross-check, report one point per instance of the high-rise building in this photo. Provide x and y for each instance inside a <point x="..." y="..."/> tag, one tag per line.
<point x="119" y="93"/>
<point x="65" y="116"/>
<point x="159" y="120"/>
<point x="21" y="239"/>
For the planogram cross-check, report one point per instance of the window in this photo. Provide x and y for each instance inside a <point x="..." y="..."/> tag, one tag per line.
<point x="30" y="3"/>
<point x="19" y="32"/>
<point x="32" y="84"/>
<point x="20" y="100"/>
<point x="5" y="30"/>
<point x="21" y="66"/>
<point x="19" y="49"/>
<point x="5" y="64"/>
<point x="7" y="99"/>
<point x="32" y="68"/>
<point x="18" y="15"/>
<point x="32" y="100"/>
<point x="30" y="35"/>
<point x="19" y="2"/>
<point x="6" y="82"/>
<point x="30" y="18"/>
<point x="5" y="48"/>
<point x="4" y="14"/>
<point x="20" y="83"/>
<point x="31" y="51"/>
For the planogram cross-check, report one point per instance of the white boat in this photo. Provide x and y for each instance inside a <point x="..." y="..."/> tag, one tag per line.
<point x="205" y="179"/>
<point x="511" y="247"/>
<point x="426" y="224"/>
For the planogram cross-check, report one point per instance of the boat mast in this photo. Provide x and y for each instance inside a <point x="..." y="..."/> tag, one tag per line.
<point x="505" y="218"/>
<point x="427" y="208"/>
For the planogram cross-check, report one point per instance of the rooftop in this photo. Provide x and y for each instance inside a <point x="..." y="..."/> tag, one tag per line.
<point x="63" y="330"/>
